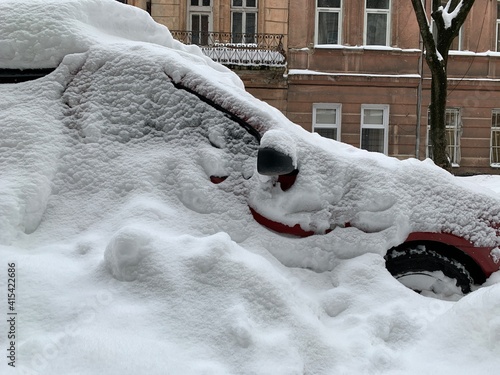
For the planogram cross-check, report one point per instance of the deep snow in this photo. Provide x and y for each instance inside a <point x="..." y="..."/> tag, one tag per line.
<point x="130" y="261"/>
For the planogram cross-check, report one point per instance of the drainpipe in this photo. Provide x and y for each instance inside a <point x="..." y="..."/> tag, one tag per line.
<point x="419" y="99"/>
<point x="419" y="91"/>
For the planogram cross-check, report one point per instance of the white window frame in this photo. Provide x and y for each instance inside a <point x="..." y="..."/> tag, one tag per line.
<point x="495" y="148"/>
<point x="387" y="12"/>
<point x="338" y="116"/>
<point x="200" y="11"/>
<point x="339" y="26"/>
<point x="458" y="40"/>
<point x="199" y="6"/>
<point x="384" y="125"/>
<point x="455" y="131"/>
<point x="498" y="27"/>
<point x="244" y="10"/>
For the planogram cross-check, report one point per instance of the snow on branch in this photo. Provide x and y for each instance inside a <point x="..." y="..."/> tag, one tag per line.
<point x="447" y="16"/>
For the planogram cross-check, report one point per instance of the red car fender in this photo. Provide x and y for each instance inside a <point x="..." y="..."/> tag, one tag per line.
<point x="296" y="230"/>
<point x="481" y="255"/>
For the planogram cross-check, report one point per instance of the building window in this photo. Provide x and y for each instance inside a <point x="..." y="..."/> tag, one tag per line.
<point x="498" y="26"/>
<point x="326" y="120"/>
<point x="377" y="22"/>
<point x="495" y="139"/>
<point x="243" y="21"/>
<point x="374" y="127"/>
<point x="200" y="20"/>
<point x="456" y="44"/>
<point x="328" y="17"/>
<point x="453" y="130"/>
<point x="200" y="3"/>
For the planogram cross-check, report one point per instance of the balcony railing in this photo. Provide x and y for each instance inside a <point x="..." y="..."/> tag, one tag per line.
<point x="237" y="48"/>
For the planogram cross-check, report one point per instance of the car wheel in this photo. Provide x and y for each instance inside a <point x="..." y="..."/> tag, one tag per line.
<point x="428" y="270"/>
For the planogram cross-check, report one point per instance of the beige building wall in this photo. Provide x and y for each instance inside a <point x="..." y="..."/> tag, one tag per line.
<point x="272" y="14"/>
<point x="169" y="13"/>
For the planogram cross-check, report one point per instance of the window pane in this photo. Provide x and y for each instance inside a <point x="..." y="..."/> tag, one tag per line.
<point x="237" y="22"/>
<point x="195" y="22"/>
<point x="251" y="3"/>
<point x="376" y="33"/>
<point x="372" y="140"/>
<point x="498" y="11"/>
<point x="498" y="37"/>
<point x="377" y="4"/>
<point x="237" y="3"/>
<point x="194" y="3"/>
<point x="237" y="31"/>
<point x="455" y="44"/>
<point x="329" y="3"/>
<point x="373" y="116"/>
<point x="328" y="28"/>
<point x="495" y="147"/>
<point x="327" y="132"/>
<point x="326" y="116"/>
<point x="453" y="146"/>
<point x="250" y="23"/>
<point x="495" y="120"/>
<point x="195" y="26"/>
<point x="495" y="137"/>
<point x="452" y="121"/>
<point x="204" y="30"/>
<point x="206" y="3"/>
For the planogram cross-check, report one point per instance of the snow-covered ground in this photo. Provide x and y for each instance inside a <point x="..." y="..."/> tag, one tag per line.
<point x="128" y="260"/>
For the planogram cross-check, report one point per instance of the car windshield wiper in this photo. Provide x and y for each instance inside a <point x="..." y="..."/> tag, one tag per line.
<point x="249" y="128"/>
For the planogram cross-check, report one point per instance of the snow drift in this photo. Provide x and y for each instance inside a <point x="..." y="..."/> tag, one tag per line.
<point x="130" y="261"/>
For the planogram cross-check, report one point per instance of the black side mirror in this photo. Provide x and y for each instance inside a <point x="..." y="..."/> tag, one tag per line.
<point x="271" y="162"/>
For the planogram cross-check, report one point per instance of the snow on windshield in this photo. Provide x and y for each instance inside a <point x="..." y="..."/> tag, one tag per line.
<point x="129" y="260"/>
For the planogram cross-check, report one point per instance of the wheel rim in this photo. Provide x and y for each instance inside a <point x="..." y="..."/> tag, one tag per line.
<point x="431" y="284"/>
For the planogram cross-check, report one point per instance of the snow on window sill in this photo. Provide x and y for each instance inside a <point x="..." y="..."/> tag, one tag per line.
<point x="495" y="165"/>
<point x="364" y="48"/>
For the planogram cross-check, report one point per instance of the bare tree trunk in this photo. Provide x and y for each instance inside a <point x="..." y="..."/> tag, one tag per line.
<point x="437" y="111"/>
<point x="436" y="56"/>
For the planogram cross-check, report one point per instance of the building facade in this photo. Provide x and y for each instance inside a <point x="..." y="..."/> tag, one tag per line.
<point x="352" y="70"/>
<point x="356" y="74"/>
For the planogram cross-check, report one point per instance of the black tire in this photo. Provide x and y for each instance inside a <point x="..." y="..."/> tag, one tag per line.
<point x="410" y="261"/>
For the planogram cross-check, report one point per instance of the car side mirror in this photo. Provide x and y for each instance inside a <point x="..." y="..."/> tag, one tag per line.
<point x="271" y="162"/>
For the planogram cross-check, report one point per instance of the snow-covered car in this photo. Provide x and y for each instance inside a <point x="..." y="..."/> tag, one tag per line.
<point x="129" y="171"/>
<point x="436" y="233"/>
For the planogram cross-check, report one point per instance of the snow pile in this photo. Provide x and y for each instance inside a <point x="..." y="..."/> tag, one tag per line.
<point x="130" y="261"/>
<point x="32" y="39"/>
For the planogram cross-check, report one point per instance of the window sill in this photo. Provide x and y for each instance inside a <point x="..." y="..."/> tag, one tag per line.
<point x="365" y="48"/>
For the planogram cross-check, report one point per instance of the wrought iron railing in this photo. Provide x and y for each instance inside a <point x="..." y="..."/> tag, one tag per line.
<point x="237" y="48"/>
